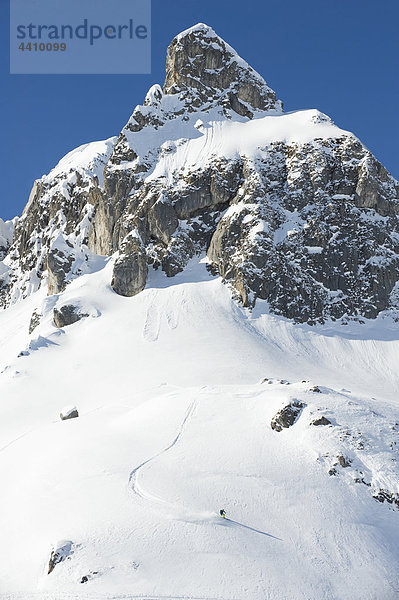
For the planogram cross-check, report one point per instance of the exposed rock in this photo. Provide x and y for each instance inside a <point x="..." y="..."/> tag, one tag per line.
<point x="287" y="416"/>
<point x="201" y="66"/>
<point x="34" y="321"/>
<point x="69" y="412"/>
<point x="316" y="389"/>
<point x="162" y="221"/>
<point x="325" y="266"/>
<point x="67" y="314"/>
<point x="58" y="265"/>
<point x="321" y="421"/>
<point x="53" y="230"/>
<point x="344" y="461"/>
<point x="289" y="208"/>
<point x="385" y="496"/>
<point x="60" y="552"/>
<point x="130" y="269"/>
<point x="86" y="578"/>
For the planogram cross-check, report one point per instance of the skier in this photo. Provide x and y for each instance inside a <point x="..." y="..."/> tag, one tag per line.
<point x="222" y="513"/>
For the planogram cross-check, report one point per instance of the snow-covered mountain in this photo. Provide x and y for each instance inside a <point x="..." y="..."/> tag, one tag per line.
<point x="140" y="394"/>
<point x="289" y="208"/>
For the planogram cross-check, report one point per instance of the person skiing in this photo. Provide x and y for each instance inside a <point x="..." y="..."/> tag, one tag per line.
<point x="222" y="513"/>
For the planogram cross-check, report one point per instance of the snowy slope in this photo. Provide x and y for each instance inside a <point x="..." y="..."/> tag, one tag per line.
<point x="175" y="424"/>
<point x="206" y="140"/>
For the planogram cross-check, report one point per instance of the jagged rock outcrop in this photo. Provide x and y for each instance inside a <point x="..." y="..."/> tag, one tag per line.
<point x="288" y="207"/>
<point x="50" y="240"/>
<point x="202" y="68"/>
<point x="58" y="266"/>
<point x="34" y="321"/>
<point x="386" y="496"/>
<point x="287" y="416"/>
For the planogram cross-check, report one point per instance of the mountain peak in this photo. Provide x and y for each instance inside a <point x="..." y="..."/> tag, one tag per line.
<point x="287" y="207"/>
<point x="202" y="28"/>
<point x="202" y="66"/>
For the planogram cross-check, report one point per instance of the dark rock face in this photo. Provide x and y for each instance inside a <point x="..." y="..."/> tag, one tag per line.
<point x="309" y="223"/>
<point x="67" y="315"/>
<point x="200" y="65"/>
<point x="338" y="259"/>
<point x="287" y="416"/>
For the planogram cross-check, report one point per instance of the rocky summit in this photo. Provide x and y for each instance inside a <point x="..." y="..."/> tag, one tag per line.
<point x="287" y="207"/>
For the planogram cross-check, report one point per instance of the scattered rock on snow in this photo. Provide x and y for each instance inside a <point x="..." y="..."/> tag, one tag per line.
<point x="315" y="388"/>
<point x="321" y="421"/>
<point x="66" y="315"/>
<point x="34" y="321"/>
<point x="344" y="461"/>
<point x="87" y="578"/>
<point x="287" y="416"/>
<point x="61" y="551"/>
<point x="69" y="412"/>
<point x="390" y="497"/>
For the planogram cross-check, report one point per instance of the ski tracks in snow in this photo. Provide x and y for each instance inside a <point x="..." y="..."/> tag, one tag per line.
<point x="134" y="483"/>
<point x="156" y="312"/>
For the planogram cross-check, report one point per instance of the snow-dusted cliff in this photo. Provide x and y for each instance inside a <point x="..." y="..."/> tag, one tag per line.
<point x="290" y="208"/>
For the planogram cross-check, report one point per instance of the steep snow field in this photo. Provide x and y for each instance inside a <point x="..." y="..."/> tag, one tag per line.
<point x="174" y="424"/>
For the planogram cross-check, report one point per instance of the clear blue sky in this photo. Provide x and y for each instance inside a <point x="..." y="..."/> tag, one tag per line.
<point x="340" y="56"/>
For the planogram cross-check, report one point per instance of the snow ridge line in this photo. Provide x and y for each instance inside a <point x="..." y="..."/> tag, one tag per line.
<point x="133" y="482"/>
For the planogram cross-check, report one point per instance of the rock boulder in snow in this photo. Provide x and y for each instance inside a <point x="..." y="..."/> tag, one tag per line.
<point x="287" y="416"/>
<point x="67" y="315"/>
<point x="69" y="412"/>
<point x="321" y="421"/>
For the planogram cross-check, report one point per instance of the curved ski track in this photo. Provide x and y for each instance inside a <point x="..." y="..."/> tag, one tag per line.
<point x="133" y="478"/>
